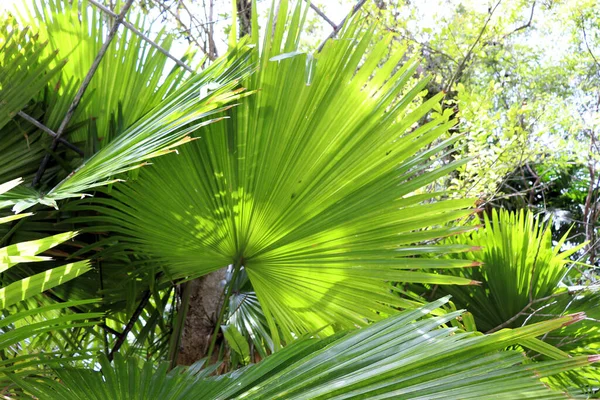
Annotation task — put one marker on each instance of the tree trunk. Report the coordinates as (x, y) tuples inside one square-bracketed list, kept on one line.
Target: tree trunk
[(205, 301), (244, 8)]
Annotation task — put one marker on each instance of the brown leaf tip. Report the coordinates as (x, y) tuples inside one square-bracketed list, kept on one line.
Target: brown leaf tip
[(594, 358), (574, 318), (476, 283)]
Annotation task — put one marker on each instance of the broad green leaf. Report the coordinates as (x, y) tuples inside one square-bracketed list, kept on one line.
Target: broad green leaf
[(236, 342)]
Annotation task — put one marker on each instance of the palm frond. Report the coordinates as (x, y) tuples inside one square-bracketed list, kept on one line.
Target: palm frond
[(157, 133), (24, 68), (19, 327), (405, 356), (520, 265), (314, 184), (131, 66), (522, 275)]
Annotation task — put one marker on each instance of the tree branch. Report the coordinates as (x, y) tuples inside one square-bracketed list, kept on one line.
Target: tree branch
[(134, 317), (523, 311), (322, 14), (461, 66), (355, 9), (50, 132), (140, 34), (525, 26), (587, 44)]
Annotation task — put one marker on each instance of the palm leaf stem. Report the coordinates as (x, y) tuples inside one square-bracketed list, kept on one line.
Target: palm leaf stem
[(228, 290), (134, 317), (339, 27), (178, 327)]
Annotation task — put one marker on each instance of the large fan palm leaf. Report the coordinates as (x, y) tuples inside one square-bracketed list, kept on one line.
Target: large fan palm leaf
[(315, 184)]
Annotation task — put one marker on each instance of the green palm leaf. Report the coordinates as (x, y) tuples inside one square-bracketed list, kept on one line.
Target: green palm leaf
[(158, 132), (131, 66), (405, 356), (522, 276), (24, 68), (19, 327), (520, 265), (315, 184)]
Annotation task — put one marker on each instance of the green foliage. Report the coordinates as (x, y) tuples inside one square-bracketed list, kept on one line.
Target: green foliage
[(404, 356), (323, 184), (76, 30), (313, 184), (24, 68), (19, 328), (523, 278), (520, 267)]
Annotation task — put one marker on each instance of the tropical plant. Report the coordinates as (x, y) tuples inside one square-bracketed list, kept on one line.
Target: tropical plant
[(405, 356), (312, 185), (318, 185), (525, 280), (20, 327), (521, 269)]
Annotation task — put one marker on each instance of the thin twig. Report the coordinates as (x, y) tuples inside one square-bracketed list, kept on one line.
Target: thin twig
[(321, 14), (50, 132), (524, 26), (587, 44), (355, 9), (540, 315), (134, 317), (467, 57), (81, 91), (140, 34), (523, 311)]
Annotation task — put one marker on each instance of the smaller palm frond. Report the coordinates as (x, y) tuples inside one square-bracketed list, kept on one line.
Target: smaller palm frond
[(26, 66), (405, 356), (132, 75), (522, 275), (520, 265), (19, 327), (29, 252), (157, 133)]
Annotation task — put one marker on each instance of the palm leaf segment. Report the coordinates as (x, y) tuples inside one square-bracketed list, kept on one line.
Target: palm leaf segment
[(314, 184), (24, 68), (405, 356), (132, 74), (156, 133), (20, 326)]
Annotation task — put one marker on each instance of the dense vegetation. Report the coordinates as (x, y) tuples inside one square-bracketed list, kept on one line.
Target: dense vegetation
[(385, 214)]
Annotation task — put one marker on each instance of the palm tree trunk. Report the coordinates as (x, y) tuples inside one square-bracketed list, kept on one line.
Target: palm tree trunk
[(205, 301)]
